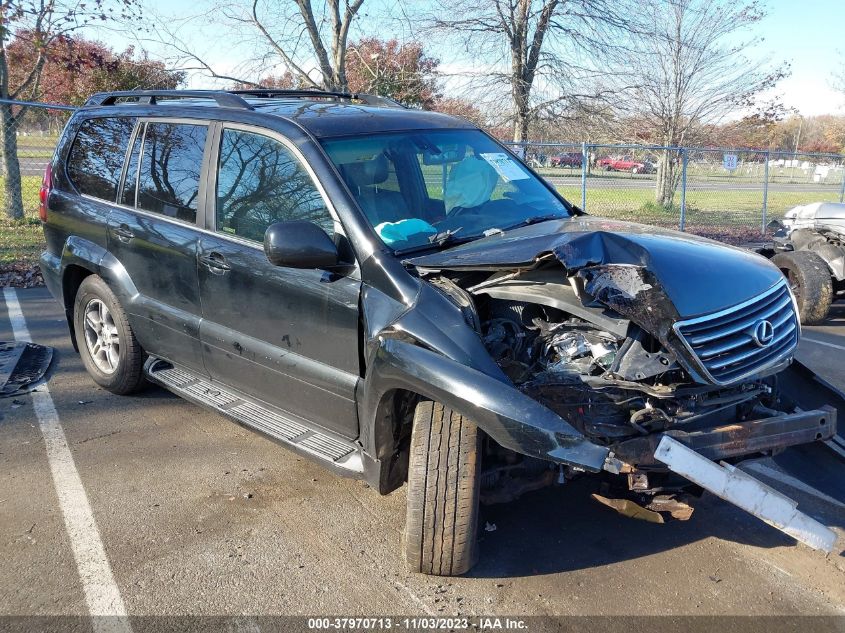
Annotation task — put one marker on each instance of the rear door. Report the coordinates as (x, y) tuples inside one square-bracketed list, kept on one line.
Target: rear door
[(153, 232), (286, 336)]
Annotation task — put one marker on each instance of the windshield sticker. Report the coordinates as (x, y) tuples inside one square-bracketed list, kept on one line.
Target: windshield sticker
[(505, 166)]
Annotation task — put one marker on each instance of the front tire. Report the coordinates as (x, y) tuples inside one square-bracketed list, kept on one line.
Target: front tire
[(809, 278), (108, 347), (443, 483)]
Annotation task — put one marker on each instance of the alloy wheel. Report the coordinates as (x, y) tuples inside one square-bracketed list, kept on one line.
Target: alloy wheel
[(101, 336)]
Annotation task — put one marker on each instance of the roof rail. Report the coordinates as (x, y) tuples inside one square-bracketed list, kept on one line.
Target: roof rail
[(272, 93), (235, 98), (223, 98)]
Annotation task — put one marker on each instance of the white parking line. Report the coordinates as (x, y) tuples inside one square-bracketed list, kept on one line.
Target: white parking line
[(101, 592), (792, 482), (825, 343)]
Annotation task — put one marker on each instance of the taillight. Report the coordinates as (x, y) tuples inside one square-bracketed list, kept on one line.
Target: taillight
[(44, 192)]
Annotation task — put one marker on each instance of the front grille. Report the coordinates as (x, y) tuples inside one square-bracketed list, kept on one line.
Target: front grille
[(724, 343)]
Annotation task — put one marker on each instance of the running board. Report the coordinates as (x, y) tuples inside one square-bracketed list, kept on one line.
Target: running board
[(340, 453), (744, 491)]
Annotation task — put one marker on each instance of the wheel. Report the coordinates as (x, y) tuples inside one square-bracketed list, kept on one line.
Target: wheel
[(443, 482), (809, 278), (110, 352), (635, 170)]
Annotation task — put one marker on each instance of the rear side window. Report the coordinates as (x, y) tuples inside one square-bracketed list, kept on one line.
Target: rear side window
[(260, 182), (169, 174), (96, 157)]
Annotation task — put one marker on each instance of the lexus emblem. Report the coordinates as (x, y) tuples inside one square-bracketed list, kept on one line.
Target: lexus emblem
[(763, 333)]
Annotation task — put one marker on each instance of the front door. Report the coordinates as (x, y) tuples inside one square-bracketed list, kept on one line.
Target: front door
[(286, 336), (154, 234)]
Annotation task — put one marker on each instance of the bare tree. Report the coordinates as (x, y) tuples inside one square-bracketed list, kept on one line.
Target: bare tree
[(37, 25), (526, 42), (839, 75), (292, 34), (690, 67)]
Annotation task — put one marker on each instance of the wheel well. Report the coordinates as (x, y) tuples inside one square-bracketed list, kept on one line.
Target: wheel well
[(392, 434), (71, 281)]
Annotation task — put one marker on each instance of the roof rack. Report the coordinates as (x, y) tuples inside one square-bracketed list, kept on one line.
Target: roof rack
[(272, 93), (224, 99), (234, 98)]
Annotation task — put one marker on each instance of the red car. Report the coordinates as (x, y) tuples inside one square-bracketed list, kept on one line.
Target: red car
[(565, 160), (625, 164)]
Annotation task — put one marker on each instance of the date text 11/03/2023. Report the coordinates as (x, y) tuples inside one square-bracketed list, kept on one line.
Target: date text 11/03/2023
[(417, 623)]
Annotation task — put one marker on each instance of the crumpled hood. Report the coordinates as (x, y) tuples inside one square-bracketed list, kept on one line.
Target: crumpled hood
[(698, 275)]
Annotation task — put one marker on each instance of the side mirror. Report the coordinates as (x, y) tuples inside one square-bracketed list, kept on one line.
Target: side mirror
[(299, 244)]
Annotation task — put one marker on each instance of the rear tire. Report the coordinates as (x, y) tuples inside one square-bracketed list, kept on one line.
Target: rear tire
[(108, 347), (443, 482), (809, 278)]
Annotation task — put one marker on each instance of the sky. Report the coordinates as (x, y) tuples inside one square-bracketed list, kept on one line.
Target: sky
[(809, 34), (805, 33)]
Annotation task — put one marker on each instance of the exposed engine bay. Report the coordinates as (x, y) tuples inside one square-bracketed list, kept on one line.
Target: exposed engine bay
[(607, 386), (603, 373)]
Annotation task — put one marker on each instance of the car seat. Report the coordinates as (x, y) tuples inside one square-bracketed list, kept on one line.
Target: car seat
[(365, 178)]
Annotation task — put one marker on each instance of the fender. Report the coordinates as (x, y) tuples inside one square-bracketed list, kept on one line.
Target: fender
[(86, 254), (78, 252), (510, 417)]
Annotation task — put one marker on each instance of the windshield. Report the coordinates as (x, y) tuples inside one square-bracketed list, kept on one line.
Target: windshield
[(419, 188)]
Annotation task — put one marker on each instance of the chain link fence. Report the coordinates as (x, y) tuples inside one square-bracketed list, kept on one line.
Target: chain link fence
[(29, 134), (722, 193)]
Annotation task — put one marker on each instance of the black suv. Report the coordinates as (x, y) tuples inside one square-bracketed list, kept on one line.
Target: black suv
[(396, 295)]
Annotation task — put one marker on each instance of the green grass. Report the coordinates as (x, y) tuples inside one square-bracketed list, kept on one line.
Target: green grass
[(21, 241), (703, 207)]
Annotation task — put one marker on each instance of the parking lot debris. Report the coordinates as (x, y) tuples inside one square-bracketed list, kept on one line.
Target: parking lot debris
[(630, 508), (21, 365), (753, 496), (676, 508)]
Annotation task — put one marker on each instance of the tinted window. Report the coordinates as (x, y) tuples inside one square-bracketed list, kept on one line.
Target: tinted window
[(260, 182), (168, 181), (96, 158)]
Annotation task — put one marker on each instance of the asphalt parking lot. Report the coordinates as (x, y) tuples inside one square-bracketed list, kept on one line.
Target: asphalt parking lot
[(198, 516)]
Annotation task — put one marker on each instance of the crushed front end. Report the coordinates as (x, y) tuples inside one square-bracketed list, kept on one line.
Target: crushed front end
[(602, 341)]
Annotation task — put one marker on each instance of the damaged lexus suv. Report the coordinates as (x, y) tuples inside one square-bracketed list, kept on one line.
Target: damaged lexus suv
[(396, 295)]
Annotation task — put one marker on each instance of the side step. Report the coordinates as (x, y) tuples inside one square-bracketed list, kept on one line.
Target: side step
[(340, 453)]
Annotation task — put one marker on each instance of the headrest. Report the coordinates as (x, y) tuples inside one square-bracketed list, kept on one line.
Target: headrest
[(366, 172)]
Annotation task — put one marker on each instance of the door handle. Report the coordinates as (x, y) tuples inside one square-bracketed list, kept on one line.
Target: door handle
[(215, 262), (123, 233)]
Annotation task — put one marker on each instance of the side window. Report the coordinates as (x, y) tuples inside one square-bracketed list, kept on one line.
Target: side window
[(260, 182), (96, 157), (169, 175)]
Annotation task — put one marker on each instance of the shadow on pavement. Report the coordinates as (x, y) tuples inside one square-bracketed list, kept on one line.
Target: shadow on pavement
[(562, 529)]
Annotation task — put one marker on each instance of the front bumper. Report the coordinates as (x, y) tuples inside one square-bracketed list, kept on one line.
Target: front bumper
[(739, 439)]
